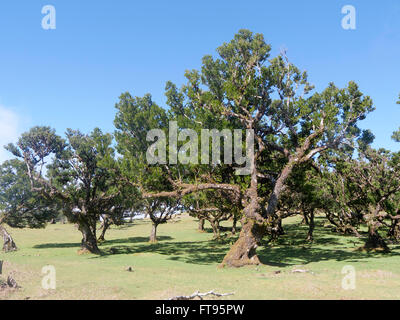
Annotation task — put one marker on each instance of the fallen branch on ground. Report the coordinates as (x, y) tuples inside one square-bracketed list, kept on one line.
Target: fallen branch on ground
[(301, 271), (199, 295)]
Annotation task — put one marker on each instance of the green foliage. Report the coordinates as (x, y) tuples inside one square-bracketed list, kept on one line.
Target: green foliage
[(82, 176), (86, 175), (37, 144), (135, 117), (20, 206), (244, 88), (304, 149)]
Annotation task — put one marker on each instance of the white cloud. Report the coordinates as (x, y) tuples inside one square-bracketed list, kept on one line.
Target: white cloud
[(10, 125)]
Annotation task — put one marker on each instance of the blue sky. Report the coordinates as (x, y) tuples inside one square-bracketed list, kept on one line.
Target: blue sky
[(72, 76)]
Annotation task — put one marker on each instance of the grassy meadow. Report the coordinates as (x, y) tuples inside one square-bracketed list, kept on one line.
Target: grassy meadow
[(185, 260)]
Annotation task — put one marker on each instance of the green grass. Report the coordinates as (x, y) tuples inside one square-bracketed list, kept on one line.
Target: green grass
[(184, 261)]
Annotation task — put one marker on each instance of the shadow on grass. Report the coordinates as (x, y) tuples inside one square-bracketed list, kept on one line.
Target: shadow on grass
[(290, 249), (124, 226), (222, 229), (287, 256), (199, 252), (57, 245), (208, 252), (104, 243), (135, 240), (293, 249)]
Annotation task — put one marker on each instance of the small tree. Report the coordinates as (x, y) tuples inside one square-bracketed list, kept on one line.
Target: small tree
[(213, 207), (20, 207), (80, 175), (160, 211)]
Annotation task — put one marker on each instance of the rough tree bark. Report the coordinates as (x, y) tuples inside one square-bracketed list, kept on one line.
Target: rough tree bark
[(89, 241), (243, 252), (9, 244), (153, 234)]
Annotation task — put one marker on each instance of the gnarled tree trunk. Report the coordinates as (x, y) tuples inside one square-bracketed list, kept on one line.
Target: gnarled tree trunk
[(89, 241), (243, 252), (9, 244)]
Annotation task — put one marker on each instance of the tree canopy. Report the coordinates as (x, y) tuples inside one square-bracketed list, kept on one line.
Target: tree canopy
[(286, 150)]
